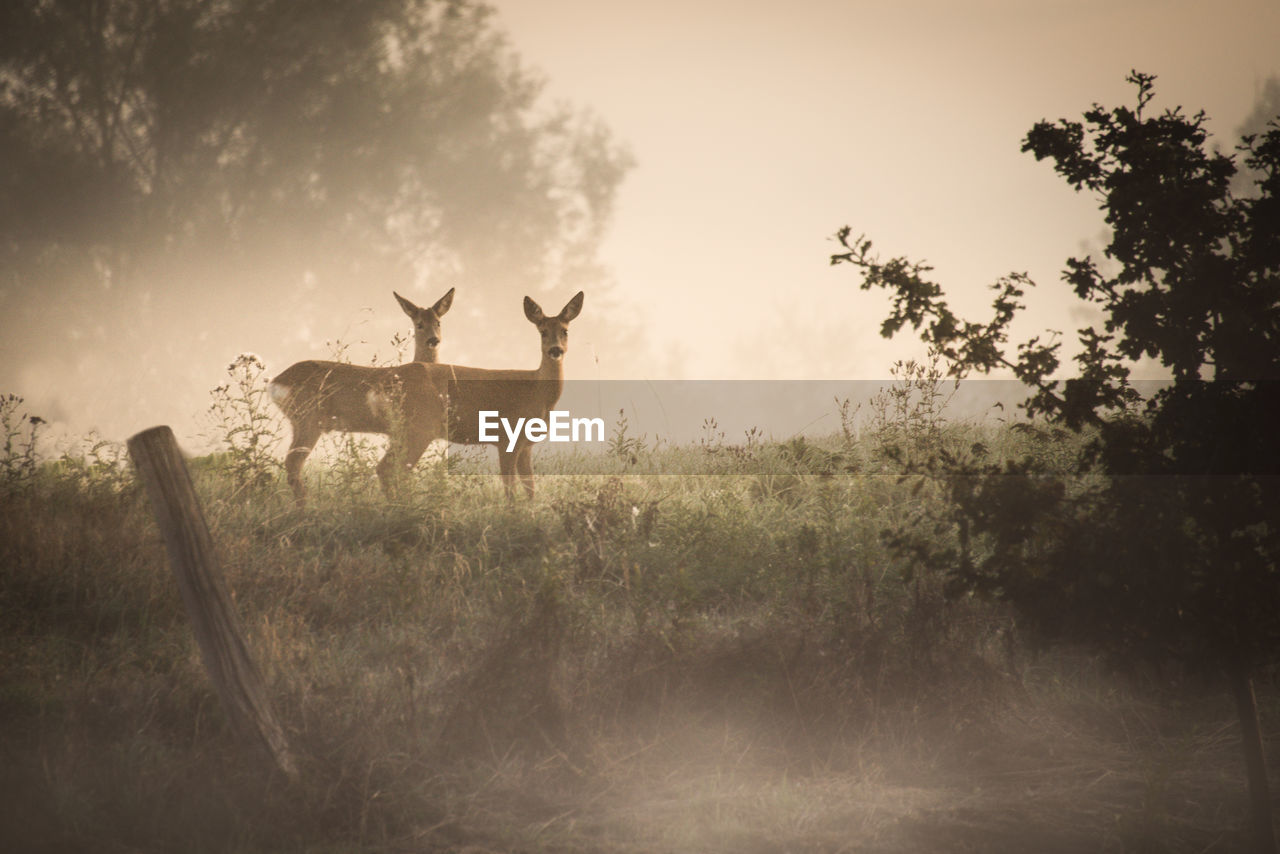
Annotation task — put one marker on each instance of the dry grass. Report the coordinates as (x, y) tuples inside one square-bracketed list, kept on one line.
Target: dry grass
[(641, 664)]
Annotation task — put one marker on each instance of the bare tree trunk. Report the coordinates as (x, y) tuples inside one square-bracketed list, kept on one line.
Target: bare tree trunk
[(191, 553), (1255, 761)]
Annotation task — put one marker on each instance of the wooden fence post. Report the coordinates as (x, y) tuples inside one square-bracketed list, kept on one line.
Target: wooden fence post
[(191, 553)]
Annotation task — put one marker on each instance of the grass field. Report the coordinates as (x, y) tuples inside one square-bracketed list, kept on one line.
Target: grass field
[(722, 654)]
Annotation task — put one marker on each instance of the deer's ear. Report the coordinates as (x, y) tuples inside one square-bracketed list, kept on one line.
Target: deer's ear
[(533, 311), (409, 308), (442, 305), (571, 308)]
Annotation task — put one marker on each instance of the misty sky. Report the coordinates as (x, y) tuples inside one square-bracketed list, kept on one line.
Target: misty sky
[(758, 129), (761, 128)]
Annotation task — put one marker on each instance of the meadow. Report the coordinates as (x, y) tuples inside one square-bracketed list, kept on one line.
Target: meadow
[(706, 647)]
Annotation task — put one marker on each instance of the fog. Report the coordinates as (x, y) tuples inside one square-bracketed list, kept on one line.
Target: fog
[(724, 145)]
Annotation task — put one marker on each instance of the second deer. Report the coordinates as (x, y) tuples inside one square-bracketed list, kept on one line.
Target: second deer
[(318, 396), (512, 393)]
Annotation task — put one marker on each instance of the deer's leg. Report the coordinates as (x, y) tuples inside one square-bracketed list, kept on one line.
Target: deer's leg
[(305, 435), (386, 468), (524, 467), (403, 454), (507, 466), (423, 420)]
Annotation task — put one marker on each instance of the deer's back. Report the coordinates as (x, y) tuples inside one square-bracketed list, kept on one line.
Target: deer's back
[(512, 393), (356, 398)]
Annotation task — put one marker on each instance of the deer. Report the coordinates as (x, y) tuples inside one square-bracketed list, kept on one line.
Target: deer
[(319, 396), (467, 391)]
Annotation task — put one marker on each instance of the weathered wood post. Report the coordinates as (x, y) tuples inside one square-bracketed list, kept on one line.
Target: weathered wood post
[(191, 553)]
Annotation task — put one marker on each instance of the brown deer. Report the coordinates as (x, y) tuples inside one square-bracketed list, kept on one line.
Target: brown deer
[(319, 396), (512, 393), (426, 325)]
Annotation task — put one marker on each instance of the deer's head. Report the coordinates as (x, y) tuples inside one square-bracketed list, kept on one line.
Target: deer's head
[(554, 330), (426, 325)]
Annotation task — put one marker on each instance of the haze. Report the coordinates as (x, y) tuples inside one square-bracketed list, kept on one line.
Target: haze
[(757, 130)]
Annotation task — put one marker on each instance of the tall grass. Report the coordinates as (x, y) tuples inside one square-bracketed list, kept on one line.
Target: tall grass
[(456, 669)]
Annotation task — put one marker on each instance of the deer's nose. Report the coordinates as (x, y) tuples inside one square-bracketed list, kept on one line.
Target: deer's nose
[(555, 352), (433, 341)]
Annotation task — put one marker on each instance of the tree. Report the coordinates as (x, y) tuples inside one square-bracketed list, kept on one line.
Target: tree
[(1166, 546), (1266, 106), (206, 156), (403, 126)]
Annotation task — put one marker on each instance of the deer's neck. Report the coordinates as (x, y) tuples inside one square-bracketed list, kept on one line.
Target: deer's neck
[(550, 375)]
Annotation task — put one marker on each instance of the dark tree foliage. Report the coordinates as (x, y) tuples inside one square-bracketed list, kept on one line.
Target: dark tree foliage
[(1266, 106), (1163, 544), (286, 138)]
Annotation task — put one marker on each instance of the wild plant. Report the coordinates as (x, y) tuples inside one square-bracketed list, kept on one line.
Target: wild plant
[(96, 466), (729, 458), (908, 417), (351, 456), (19, 460), (244, 425), (712, 440), (629, 449), (400, 344), (602, 528), (848, 412)]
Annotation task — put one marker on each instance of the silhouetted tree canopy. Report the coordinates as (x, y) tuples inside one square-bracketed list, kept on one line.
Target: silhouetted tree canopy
[(1163, 542), (281, 140), (1193, 280), (1266, 106)]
